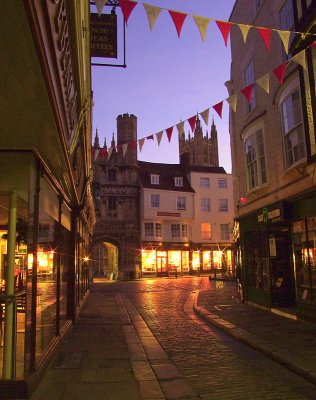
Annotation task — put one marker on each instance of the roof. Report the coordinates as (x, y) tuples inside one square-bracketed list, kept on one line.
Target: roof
[(167, 173), (210, 170)]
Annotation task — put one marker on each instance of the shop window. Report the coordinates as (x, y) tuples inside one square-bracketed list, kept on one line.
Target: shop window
[(206, 231), (154, 200), (304, 238), (174, 261), (178, 181), (222, 183), (148, 261), (204, 183), (149, 229), (223, 205), (249, 78), (224, 231), (206, 257), (255, 159), (294, 145), (181, 203), (195, 260), (205, 205)]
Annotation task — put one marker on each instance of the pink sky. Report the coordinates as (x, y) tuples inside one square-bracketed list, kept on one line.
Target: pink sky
[(167, 79)]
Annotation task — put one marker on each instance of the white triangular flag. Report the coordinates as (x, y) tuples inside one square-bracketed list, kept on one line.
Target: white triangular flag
[(159, 137), (232, 101), (285, 37), (264, 82), (205, 115), (100, 4), (110, 152), (244, 30), (300, 59), (152, 14), (141, 143), (202, 24), (180, 127), (124, 148)]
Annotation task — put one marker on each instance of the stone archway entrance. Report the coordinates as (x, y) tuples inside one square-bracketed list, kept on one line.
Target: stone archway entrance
[(105, 260)]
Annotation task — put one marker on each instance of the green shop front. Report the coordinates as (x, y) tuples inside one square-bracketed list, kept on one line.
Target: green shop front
[(277, 256)]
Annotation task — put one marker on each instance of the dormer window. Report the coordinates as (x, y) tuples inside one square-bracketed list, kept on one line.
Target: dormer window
[(178, 181), (154, 179)]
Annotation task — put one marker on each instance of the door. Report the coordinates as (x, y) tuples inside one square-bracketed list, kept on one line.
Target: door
[(161, 266), (282, 274)]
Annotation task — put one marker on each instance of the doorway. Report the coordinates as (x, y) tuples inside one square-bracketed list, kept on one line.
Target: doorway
[(161, 263)]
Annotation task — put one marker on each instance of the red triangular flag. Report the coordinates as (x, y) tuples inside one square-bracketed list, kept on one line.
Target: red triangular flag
[(133, 144), (103, 152), (150, 137), (192, 122), (219, 108), (247, 92), (118, 148), (313, 44), (178, 19), (224, 27), (280, 72), (127, 7), (169, 133), (265, 34)]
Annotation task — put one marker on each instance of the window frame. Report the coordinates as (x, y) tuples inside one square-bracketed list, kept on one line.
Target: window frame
[(249, 78), (205, 206), (205, 179), (223, 205), (154, 204), (220, 181), (206, 234), (224, 234), (178, 181), (146, 227), (154, 179), (181, 206)]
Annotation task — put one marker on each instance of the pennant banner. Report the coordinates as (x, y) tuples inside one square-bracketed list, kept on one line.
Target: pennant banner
[(180, 127), (244, 30), (100, 4), (300, 59), (205, 115), (280, 72), (127, 7), (169, 133), (232, 101), (152, 14), (264, 82), (124, 147), (202, 23), (265, 33), (178, 19), (159, 137), (192, 122), (103, 152), (219, 108), (247, 92), (150, 137), (110, 152), (96, 154), (224, 27), (141, 143), (285, 37)]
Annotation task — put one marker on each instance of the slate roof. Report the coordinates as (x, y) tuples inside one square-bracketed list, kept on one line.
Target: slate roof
[(210, 170), (167, 173)]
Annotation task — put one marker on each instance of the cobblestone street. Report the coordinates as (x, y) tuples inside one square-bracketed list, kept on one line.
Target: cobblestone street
[(215, 365)]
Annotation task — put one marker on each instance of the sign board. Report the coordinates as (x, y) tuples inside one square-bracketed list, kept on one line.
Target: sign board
[(103, 35)]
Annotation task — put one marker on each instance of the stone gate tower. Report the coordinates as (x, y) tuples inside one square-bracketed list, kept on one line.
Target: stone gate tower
[(116, 194)]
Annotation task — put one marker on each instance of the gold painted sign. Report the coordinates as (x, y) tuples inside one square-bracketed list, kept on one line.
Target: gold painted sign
[(103, 35)]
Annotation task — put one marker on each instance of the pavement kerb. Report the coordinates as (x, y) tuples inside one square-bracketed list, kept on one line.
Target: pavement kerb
[(251, 340)]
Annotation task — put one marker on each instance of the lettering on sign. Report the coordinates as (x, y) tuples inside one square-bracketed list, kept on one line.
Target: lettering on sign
[(167, 214), (273, 214), (103, 35)]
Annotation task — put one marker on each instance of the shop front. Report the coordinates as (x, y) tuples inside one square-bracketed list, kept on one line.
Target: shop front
[(43, 275)]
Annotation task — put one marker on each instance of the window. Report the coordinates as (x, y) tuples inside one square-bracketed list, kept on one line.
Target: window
[(178, 230), (112, 203), (154, 179), (112, 175), (205, 205), (222, 183), (224, 231), (149, 229), (286, 17), (178, 181), (175, 230), (158, 230), (206, 231), (294, 146), (250, 78), (181, 203), (204, 182), (154, 200), (223, 205), (255, 159)]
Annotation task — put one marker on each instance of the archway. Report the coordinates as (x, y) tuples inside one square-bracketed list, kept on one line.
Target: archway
[(105, 260)]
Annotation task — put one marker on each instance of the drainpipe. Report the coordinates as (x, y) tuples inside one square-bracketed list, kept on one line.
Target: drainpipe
[(10, 315)]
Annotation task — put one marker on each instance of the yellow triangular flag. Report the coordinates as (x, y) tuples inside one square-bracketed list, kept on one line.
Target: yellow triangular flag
[(264, 82), (244, 30), (100, 4), (159, 137), (300, 59), (285, 37), (180, 127), (202, 24), (232, 101), (141, 143), (205, 115), (152, 14), (110, 152), (124, 148), (96, 154)]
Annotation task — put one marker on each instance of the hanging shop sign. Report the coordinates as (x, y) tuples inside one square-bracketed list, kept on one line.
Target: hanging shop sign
[(103, 35)]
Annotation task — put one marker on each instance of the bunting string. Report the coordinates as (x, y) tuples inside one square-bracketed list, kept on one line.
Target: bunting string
[(247, 92)]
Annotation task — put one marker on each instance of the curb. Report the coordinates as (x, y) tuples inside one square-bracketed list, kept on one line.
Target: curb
[(244, 336)]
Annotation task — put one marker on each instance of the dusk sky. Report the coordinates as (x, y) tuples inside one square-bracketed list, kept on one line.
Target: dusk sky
[(167, 79)]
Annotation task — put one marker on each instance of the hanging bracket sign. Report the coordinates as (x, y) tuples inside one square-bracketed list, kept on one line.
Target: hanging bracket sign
[(103, 35)]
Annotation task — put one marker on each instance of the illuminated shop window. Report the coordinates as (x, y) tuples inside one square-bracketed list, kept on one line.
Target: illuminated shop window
[(148, 260), (195, 260), (206, 260)]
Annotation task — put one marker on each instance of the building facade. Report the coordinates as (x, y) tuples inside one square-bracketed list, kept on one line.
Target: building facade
[(46, 206), (273, 156)]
